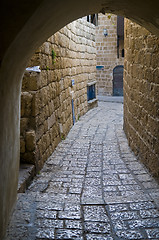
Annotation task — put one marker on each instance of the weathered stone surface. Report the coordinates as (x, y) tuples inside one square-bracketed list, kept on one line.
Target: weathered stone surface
[(46, 105), (30, 141), (26, 104), (22, 145), (141, 101)]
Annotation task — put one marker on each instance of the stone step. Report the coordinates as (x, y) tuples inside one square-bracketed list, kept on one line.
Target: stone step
[(26, 174)]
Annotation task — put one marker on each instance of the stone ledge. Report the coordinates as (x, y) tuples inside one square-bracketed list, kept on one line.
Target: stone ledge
[(92, 103), (91, 83), (110, 99), (26, 174)]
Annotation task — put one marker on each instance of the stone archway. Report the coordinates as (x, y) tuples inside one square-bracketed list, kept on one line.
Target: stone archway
[(25, 25)]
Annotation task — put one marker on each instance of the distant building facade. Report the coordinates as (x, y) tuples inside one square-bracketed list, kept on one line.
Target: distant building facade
[(110, 54)]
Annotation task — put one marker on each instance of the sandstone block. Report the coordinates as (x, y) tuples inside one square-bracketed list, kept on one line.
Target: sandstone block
[(26, 104), (23, 125), (22, 145), (30, 140)]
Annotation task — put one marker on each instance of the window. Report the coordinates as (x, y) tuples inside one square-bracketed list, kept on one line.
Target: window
[(122, 52), (91, 93), (93, 18), (120, 35)]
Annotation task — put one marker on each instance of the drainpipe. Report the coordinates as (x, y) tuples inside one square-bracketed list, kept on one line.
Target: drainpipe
[(72, 100), (118, 46)]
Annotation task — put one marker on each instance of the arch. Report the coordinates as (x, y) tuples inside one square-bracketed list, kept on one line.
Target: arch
[(25, 25), (118, 80)]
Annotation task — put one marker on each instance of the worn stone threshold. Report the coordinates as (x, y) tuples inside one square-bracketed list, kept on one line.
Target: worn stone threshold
[(26, 174), (118, 99)]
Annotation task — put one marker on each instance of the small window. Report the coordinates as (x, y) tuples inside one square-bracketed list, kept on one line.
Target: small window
[(122, 53), (91, 93), (120, 34), (93, 18)]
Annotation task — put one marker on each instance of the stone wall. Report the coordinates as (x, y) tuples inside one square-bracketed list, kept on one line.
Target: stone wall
[(46, 99), (141, 94), (107, 53)]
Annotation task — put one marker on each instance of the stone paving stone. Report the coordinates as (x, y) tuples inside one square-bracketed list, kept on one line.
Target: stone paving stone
[(155, 196), (74, 190), (111, 194), (128, 181), (125, 215), (129, 187), (72, 198), (126, 176), (97, 190), (96, 227), (73, 224), (21, 217), (69, 215), (134, 166), (118, 207), (77, 180), (132, 193), (50, 198), (153, 233), (144, 223), (110, 188), (92, 182), (18, 233), (95, 213), (119, 225), (150, 185), (140, 171), (126, 199), (98, 237), (149, 213), (122, 170), (110, 176), (25, 201), (154, 193), (144, 177), (46, 233), (71, 211), (92, 200), (130, 234), (91, 188), (112, 182), (46, 214), (49, 223), (68, 234), (142, 205)]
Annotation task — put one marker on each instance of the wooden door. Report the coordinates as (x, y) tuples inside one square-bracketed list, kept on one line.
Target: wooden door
[(118, 80)]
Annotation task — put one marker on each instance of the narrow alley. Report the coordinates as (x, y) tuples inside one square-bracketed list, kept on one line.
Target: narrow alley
[(91, 188)]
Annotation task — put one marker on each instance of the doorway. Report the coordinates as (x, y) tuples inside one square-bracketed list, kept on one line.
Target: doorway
[(118, 80)]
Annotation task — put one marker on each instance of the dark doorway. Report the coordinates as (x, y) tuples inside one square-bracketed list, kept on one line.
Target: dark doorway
[(118, 80)]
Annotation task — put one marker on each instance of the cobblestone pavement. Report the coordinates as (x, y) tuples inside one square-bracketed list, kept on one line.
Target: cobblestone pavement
[(91, 188)]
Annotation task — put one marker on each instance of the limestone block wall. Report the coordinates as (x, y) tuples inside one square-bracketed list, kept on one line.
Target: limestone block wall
[(46, 100), (141, 94), (107, 53)]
